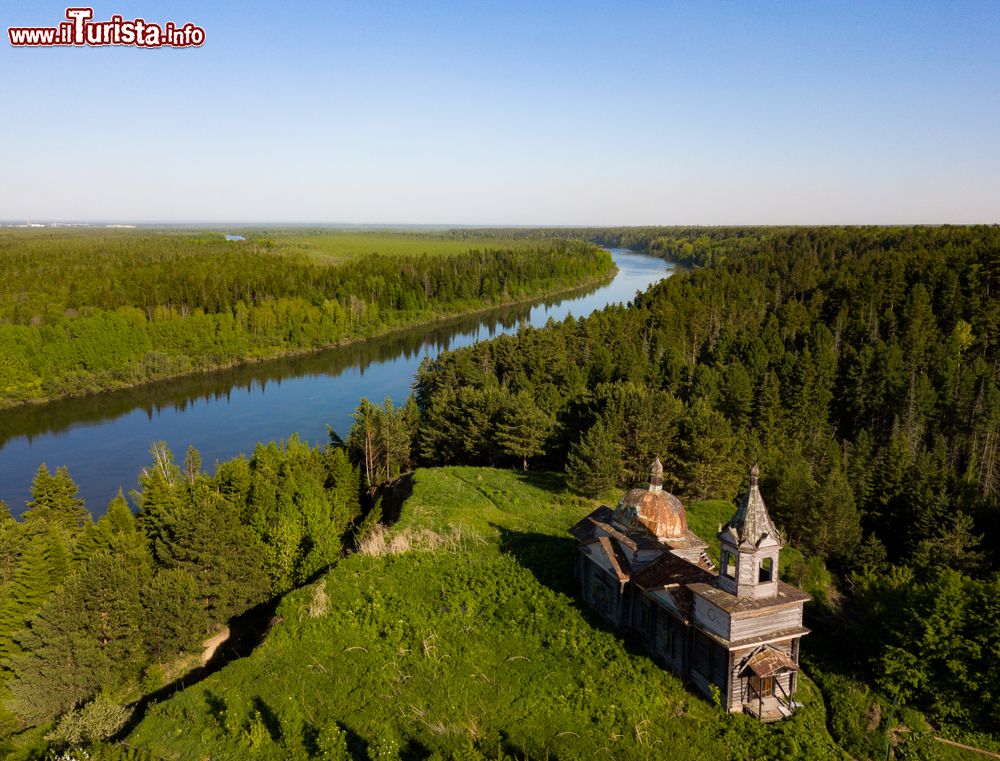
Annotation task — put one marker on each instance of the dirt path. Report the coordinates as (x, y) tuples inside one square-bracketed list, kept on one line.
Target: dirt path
[(212, 645)]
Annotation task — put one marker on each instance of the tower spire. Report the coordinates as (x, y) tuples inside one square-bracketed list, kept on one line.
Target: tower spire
[(750, 546), (656, 476)]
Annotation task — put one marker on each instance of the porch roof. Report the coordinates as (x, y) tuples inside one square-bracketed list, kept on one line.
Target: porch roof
[(768, 661)]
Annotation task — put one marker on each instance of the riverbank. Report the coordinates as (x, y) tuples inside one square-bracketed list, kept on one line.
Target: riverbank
[(108, 351), (104, 439), (418, 321)]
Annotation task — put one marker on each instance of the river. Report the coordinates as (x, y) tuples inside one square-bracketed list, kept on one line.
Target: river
[(104, 439)]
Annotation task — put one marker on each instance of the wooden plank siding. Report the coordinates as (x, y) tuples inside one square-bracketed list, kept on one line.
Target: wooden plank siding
[(745, 626)]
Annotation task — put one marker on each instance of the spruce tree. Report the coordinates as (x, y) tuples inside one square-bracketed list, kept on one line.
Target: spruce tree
[(86, 636), (709, 453), (594, 463), (42, 565), (523, 428), (174, 617), (54, 500)]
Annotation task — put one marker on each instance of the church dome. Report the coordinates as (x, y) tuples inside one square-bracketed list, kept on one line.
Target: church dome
[(652, 509)]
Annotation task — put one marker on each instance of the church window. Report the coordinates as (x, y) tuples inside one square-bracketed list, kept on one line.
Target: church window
[(729, 565)]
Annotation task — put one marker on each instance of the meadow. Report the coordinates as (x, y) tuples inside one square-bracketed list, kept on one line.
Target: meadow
[(457, 634)]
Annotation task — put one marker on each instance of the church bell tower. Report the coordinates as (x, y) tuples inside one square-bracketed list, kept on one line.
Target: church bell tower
[(750, 547)]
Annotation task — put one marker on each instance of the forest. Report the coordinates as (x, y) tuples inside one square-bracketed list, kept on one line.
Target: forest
[(84, 311), (858, 366), (95, 610)]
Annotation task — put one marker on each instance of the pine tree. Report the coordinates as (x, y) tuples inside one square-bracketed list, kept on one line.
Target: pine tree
[(594, 463), (117, 533), (523, 428), (54, 500), (834, 527), (10, 547), (709, 453), (160, 491), (43, 564), (85, 637), (202, 534), (343, 485), (174, 617), (365, 441)]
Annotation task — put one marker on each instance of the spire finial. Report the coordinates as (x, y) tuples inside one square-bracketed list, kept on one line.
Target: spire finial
[(656, 475), (754, 474)]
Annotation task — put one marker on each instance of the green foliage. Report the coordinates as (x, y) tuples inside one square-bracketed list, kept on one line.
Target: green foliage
[(331, 743), (709, 453), (83, 311), (595, 463), (523, 428), (54, 501), (87, 635), (936, 641), (381, 440), (368, 523), (41, 550), (298, 501), (95, 721), (176, 618), (90, 607), (477, 651)]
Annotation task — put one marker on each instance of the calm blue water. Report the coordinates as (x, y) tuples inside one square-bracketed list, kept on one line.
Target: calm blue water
[(105, 439)]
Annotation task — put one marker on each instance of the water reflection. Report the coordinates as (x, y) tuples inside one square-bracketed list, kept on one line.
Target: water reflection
[(104, 439)]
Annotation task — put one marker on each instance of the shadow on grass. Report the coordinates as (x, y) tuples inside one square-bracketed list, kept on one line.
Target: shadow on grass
[(548, 557), (246, 631), (545, 480)]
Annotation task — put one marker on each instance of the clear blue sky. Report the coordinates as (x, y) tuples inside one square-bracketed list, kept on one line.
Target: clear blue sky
[(512, 113)]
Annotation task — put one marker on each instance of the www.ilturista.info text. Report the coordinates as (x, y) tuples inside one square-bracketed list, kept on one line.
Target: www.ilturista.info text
[(79, 29)]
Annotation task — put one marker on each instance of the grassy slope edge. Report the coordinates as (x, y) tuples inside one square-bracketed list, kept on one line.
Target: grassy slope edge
[(466, 640)]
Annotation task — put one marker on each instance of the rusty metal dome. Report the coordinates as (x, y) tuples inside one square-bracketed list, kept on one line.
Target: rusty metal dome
[(653, 509)]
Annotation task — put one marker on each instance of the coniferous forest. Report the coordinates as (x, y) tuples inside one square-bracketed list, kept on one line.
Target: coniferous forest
[(858, 366), (83, 311)]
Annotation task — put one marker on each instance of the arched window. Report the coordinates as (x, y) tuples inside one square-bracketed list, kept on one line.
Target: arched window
[(729, 565), (766, 570)]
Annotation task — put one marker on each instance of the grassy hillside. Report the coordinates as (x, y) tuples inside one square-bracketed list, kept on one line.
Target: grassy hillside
[(459, 635)]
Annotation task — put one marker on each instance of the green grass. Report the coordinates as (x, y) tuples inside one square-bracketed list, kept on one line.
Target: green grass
[(333, 247), (323, 245), (478, 647)]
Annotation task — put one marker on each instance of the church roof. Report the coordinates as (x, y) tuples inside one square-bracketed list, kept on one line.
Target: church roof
[(652, 509), (670, 575), (670, 569), (751, 522), (601, 520), (786, 594)]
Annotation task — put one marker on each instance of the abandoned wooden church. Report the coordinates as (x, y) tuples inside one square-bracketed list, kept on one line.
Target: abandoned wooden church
[(737, 629)]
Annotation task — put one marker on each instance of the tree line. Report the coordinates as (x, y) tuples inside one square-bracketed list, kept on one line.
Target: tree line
[(83, 313)]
